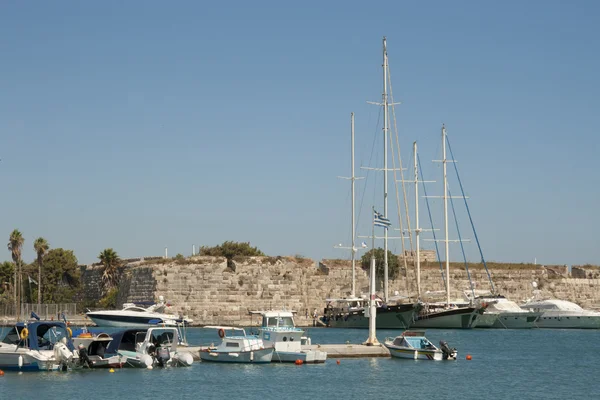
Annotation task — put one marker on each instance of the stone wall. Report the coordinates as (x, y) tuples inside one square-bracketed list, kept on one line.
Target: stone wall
[(210, 292)]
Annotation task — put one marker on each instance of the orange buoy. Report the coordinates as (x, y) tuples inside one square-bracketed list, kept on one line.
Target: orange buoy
[(338, 362), (469, 357), (1, 373), (299, 362)]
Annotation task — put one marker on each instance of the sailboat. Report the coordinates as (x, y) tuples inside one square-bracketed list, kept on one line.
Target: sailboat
[(353, 312), (444, 314)]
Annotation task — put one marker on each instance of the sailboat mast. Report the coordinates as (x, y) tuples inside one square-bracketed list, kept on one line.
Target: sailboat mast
[(444, 162), (417, 230), (385, 172), (353, 222)]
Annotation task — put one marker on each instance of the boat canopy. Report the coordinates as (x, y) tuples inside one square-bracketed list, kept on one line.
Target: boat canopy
[(41, 335)]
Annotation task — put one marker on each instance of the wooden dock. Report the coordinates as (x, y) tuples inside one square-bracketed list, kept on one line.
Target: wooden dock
[(333, 351)]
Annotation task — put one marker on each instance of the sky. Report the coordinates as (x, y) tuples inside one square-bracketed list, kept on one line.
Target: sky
[(142, 125)]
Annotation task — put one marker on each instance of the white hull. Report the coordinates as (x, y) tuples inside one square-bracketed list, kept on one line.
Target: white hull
[(460, 318), (567, 320), (247, 357), (510, 320), (413, 354), (42, 360), (487, 320)]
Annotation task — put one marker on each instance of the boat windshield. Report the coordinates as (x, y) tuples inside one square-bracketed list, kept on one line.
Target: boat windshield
[(48, 335), (281, 322), (12, 337)]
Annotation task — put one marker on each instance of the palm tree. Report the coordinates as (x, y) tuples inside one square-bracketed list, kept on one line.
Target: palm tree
[(15, 245), (110, 259), (41, 247)]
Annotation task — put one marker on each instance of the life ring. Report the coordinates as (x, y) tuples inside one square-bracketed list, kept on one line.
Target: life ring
[(221, 333), (24, 333), (70, 332)]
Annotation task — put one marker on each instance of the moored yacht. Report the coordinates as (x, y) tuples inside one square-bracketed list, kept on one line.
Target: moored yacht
[(353, 313), (563, 314)]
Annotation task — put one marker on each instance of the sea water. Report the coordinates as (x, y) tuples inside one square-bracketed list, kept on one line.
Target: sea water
[(506, 364)]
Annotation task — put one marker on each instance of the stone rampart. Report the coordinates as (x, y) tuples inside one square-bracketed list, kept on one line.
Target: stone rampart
[(210, 292)]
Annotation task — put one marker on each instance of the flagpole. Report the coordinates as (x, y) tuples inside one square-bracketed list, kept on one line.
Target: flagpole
[(372, 340)]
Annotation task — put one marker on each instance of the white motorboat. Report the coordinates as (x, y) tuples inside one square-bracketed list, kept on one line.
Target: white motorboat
[(135, 316), (505, 314), (563, 314), (237, 348), (278, 330), (415, 346), (37, 346), (145, 348)]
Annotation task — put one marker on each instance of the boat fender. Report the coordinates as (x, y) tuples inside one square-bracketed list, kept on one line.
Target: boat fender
[(24, 333), (70, 332), (221, 333)]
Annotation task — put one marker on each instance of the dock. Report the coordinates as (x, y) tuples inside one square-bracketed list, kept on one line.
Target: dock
[(334, 351)]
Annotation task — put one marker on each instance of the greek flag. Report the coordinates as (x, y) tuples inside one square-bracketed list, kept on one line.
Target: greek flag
[(380, 220)]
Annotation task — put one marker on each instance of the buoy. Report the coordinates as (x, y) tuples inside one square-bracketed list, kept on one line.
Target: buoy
[(111, 370), (338, 362), (299, 362), (469, 357), (1, 373)]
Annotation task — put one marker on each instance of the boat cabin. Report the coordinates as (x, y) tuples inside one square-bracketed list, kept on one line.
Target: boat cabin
[(414, 340)]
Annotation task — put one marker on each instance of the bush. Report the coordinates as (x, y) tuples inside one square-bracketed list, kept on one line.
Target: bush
[(110, 299)]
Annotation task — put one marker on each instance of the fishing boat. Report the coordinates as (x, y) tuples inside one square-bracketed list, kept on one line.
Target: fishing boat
[(279, 331), (415, 346), (148, 348), (135, 316), (37, 346), (237, 348)]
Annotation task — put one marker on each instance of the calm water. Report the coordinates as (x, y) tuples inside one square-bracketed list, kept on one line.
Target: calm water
[(506, 364)]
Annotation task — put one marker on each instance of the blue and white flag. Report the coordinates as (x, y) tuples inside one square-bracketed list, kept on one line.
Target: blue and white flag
[(380, 220)]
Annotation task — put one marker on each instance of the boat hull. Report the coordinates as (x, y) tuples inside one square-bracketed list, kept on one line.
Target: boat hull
[(457, 318), (414, 354), (31, 361), (392, 317), (112, 321), (515, 320), (567, 321), (487, 320), (263, 356)]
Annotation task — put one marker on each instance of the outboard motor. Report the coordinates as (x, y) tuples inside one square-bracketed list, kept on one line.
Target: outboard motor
[(84, 359), (447, 352), (162, 356)]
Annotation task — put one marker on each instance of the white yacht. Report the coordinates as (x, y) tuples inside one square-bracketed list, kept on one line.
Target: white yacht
[(501, 313), (134, 316), (563, 314)]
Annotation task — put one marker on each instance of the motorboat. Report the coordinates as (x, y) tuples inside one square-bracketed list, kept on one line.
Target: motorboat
[(135, 316), (279, 331), (148, 348), (37, 346), (353, 313), (238, 347), (415, 346), (91, 349), (505, 314), (562, 314)]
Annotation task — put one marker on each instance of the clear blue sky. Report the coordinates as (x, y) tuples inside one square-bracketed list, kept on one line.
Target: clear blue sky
[(139, 125)]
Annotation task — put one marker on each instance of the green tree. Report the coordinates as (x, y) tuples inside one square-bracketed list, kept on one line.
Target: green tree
[(61, 276), (15, 245), (41, 246), (393, 263), (7, 269), (110, 277), (229, 250)]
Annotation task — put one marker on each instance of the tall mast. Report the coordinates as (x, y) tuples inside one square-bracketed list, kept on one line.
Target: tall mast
[(444, 161), (417, 230), (385, 183), (353, 223)]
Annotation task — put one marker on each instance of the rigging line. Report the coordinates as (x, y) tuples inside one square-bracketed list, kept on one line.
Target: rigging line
[(368, 171), (410, 233), (471, 218), (437, 248), (462, 247)]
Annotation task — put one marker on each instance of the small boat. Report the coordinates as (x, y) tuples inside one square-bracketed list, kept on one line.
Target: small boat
[(415, 346), (237, 348), (147, 348), (91, 349), (37, 346), (136, 316), (279, 331)]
